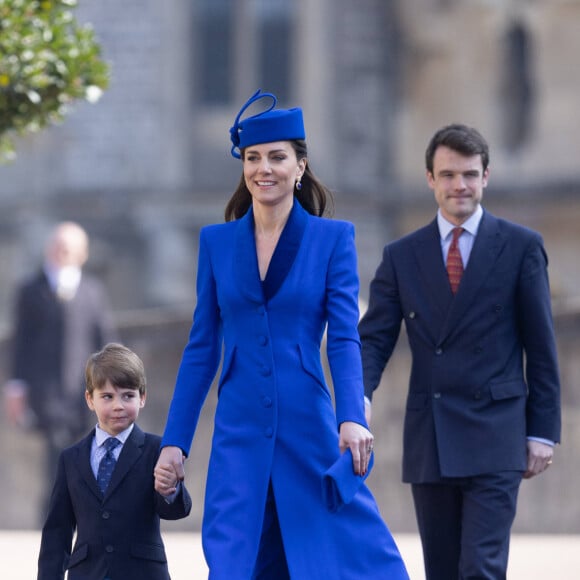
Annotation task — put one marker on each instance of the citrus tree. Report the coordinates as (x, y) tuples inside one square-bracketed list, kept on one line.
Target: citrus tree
[(47, 61)]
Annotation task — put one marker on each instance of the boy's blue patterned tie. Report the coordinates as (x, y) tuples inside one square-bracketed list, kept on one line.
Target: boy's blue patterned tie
[(107, 464)]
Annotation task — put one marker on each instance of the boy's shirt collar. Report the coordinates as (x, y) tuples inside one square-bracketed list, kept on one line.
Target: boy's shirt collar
[(101, 436)]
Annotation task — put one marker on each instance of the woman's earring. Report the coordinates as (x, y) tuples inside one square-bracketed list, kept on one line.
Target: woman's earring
[(298, 184)]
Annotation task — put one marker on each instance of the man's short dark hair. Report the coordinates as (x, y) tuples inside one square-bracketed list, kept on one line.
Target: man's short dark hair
[(461, 138)]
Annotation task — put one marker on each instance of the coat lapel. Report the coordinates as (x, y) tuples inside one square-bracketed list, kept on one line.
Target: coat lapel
[(286, 250), (131, 452), (83, 463), (247, 273), (427, 249), (487, 247)]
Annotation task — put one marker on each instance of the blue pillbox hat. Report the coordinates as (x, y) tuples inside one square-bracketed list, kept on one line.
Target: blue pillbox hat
[(267, 126)]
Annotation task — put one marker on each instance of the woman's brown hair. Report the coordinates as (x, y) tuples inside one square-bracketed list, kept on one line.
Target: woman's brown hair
[(314, 196)]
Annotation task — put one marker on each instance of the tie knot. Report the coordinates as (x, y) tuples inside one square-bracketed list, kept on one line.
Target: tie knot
[(111, 443), (456, 233)]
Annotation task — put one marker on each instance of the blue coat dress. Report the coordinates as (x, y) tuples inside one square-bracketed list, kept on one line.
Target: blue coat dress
[(275, 422)]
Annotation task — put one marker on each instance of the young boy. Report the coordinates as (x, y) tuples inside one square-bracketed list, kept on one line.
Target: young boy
[(116, 522)]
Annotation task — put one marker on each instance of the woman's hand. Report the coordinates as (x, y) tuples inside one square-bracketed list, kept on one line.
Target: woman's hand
[(169, 471), (359, 440)]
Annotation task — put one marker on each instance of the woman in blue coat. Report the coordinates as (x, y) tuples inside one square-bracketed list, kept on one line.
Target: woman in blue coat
[(285, 493)]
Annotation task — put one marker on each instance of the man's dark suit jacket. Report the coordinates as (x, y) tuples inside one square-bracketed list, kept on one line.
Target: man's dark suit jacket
[(117, 536), (484, 367), (52, 342)]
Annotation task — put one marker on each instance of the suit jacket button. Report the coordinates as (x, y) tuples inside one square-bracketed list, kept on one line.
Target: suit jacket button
[(439, 351), (412, 315), (109, 549), (436, 395), (477, 395), (105, 515)]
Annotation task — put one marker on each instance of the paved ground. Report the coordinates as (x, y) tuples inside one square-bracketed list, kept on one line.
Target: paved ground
[(533, 557)]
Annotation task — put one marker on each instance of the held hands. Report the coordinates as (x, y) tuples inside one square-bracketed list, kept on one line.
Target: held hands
[(169, 470), (539, 458), (359, 440)]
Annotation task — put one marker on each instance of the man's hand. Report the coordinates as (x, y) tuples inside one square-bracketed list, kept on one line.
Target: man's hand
[(539, 458), (16, 403)]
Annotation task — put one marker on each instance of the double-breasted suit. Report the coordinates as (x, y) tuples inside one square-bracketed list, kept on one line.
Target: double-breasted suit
[(484, 379), (473, 396), (118, 533), (275, 424)]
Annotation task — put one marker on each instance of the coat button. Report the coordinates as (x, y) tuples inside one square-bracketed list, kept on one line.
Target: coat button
[(266, 371), (263, 340), (268, 432), (267, 402), (109, 549)]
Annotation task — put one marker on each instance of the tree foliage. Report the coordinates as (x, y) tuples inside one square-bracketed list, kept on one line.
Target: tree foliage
[(47, 61)]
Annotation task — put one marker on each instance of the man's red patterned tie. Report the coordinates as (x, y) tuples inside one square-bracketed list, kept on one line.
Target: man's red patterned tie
[(454, 261)]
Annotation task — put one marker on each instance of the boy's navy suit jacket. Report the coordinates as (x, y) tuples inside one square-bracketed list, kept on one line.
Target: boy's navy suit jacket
[(118, 534)]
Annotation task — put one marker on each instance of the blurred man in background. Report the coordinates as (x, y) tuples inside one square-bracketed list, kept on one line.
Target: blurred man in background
[(62, 315)]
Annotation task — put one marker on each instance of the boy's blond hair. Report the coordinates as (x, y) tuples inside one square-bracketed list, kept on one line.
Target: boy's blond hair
[(118, 365)]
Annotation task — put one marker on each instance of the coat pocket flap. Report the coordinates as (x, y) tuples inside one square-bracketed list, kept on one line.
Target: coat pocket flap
[(149, 552), (507, 389)]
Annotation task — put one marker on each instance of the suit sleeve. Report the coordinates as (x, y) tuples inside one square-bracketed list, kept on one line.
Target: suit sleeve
[(380, 326), (200, 359), (343, 343), (58, 530), (177, 509), (537, 334)]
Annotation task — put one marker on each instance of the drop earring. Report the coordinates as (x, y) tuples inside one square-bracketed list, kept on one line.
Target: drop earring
[(298, 185)]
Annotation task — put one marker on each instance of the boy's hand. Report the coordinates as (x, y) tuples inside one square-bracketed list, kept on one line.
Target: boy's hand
[(169, 470)]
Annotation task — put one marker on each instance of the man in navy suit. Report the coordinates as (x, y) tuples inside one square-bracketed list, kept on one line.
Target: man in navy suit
[(61, 315), (483, 407)]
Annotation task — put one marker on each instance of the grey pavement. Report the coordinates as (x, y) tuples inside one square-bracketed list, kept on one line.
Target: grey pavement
[(532, 557)]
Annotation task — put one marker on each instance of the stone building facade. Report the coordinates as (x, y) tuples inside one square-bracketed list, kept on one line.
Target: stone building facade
[(149, 164)]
